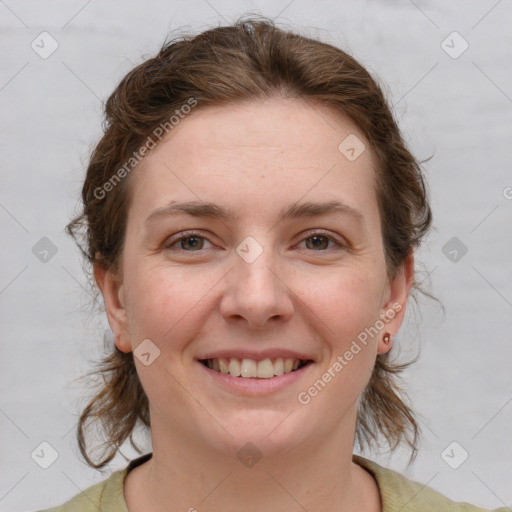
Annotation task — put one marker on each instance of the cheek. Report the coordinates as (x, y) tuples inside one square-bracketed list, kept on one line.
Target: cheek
[(161, 301), (346, 302), (347, 307)]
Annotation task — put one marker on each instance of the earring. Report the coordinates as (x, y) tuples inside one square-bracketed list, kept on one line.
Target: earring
[(387, 338)]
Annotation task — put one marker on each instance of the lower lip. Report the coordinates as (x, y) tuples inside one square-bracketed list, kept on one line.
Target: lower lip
[(255, 386)]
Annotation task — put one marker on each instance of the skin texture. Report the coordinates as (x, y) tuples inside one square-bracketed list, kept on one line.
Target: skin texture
[(255, 158)]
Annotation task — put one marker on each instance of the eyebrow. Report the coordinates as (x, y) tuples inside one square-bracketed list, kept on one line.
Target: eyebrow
[(292, 211)]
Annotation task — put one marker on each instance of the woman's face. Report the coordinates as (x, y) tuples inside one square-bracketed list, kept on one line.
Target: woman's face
[(281, 276)]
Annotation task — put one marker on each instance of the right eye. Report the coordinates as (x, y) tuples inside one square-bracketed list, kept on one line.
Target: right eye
[(188, 242)]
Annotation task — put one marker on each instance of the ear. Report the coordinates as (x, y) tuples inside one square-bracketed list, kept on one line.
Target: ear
[(111, 286), (397, 292)]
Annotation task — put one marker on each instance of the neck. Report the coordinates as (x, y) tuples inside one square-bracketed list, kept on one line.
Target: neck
[(185, 475)]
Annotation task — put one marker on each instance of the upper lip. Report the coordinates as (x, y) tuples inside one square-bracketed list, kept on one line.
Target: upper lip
[(271, 353)]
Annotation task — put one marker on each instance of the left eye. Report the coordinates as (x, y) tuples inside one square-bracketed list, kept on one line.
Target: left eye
[(319, 241)]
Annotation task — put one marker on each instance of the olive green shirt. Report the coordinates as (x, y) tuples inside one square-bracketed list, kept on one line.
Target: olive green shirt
[(398, 493)]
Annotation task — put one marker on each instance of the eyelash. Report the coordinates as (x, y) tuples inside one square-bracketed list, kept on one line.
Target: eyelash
[(192, 234)]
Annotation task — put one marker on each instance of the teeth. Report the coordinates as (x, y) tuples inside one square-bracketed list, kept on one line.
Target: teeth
[(249, 368), (278, 366), (223, 364), (265, 369), (235, 368)]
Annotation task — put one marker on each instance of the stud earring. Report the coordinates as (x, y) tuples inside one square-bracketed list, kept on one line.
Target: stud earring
[(387, 338)]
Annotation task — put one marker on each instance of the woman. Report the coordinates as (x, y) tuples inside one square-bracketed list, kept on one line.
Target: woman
[(251, 215)]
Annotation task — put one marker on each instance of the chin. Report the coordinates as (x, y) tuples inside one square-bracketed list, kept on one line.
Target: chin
[(268, 433)]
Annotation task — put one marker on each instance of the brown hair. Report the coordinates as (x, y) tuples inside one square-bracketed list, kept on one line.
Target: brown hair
[(249, 60)]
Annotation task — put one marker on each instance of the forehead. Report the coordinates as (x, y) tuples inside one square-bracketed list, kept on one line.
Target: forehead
[(294, 126), (281, 149)]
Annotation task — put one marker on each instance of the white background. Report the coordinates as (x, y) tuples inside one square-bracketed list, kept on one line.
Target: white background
[(458, 110)]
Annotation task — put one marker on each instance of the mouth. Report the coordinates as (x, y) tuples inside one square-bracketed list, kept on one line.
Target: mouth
[(255, 369)]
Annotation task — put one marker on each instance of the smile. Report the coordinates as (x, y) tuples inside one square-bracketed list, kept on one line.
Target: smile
[(251, 368)]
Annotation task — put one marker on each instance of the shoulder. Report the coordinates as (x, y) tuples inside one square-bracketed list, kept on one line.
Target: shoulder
[(399, 493), (106, 495)]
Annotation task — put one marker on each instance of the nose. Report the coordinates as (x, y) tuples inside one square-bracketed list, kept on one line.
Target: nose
[(256, 294)]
